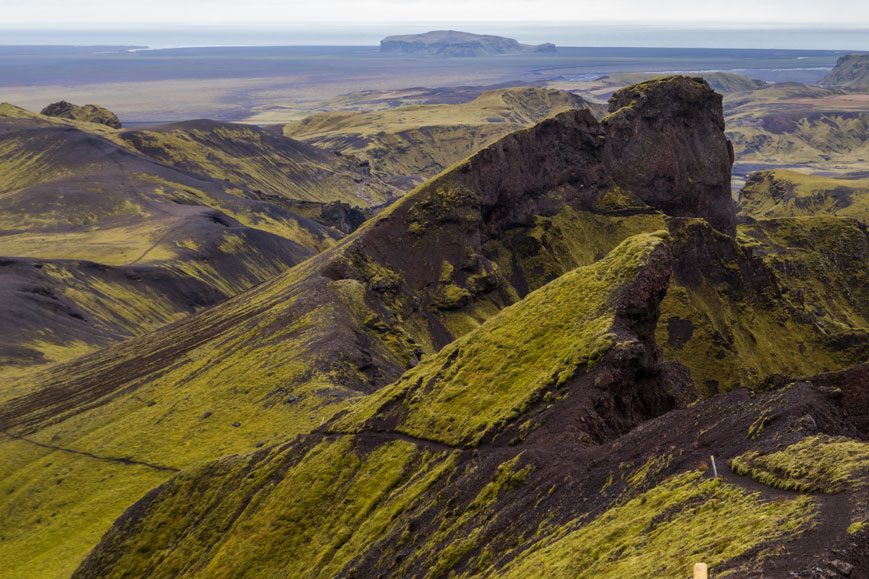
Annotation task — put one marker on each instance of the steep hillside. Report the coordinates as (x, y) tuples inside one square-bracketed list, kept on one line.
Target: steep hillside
[(779, 300), (91, 228), (275, 168), (561, 472), (769, 194), (851, 70), (421, 141), (401, 318)]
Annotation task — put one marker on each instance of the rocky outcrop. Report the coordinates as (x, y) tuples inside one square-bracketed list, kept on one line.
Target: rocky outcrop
[(342, 216), (89, 113), (665, 143), (537, 172), (851, 70), (455, 43)]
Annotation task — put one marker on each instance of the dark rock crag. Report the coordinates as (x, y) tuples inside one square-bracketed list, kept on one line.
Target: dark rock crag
[(666, 144), (89, 113)]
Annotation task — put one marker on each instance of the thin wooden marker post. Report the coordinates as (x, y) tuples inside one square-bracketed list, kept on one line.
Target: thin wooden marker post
[(714, 468), (700, 571)]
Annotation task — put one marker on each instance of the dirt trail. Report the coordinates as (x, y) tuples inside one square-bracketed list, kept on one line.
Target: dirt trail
[(89, 455), (805, 550)]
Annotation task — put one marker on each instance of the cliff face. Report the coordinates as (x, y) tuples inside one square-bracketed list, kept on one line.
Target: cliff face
[(665, 142), (89, 113), (851, 70)]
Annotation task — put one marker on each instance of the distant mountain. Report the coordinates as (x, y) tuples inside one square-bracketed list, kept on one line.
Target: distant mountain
[(455, 43), (851, 70)]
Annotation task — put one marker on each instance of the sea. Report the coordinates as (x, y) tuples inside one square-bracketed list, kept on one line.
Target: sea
[(760, 36)]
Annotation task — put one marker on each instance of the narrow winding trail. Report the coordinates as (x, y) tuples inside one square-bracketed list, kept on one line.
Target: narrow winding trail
[(828, 526), (89, 455)]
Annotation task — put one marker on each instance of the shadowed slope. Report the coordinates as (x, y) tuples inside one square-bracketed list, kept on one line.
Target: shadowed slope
[(71, 195)]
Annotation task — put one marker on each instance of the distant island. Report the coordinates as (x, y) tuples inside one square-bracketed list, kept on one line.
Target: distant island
[(453, 43)]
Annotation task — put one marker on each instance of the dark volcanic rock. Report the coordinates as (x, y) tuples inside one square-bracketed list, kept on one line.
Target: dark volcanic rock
[(516, 176), (665, 143), (89, 113), (342, 216), (454, 43)]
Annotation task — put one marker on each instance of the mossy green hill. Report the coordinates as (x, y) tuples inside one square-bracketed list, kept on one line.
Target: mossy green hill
[(772, 194), (275, 168), (421, 141), (106, 243), (552, 490)]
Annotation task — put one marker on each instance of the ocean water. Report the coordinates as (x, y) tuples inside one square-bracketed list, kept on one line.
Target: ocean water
[(566, 34)]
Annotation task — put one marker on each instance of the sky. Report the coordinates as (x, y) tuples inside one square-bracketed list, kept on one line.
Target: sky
[(97, 13)]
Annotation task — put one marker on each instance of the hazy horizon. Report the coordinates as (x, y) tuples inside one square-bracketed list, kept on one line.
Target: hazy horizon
[(657, 35), (277, 12)]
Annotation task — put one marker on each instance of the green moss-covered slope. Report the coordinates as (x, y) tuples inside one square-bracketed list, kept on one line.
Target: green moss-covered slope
[(491, 376), (273, 167), (771, 194), (737, 313), (423, 140), (379, 502), (664, 531), (91, 229), (814, 464), (379, 485)]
